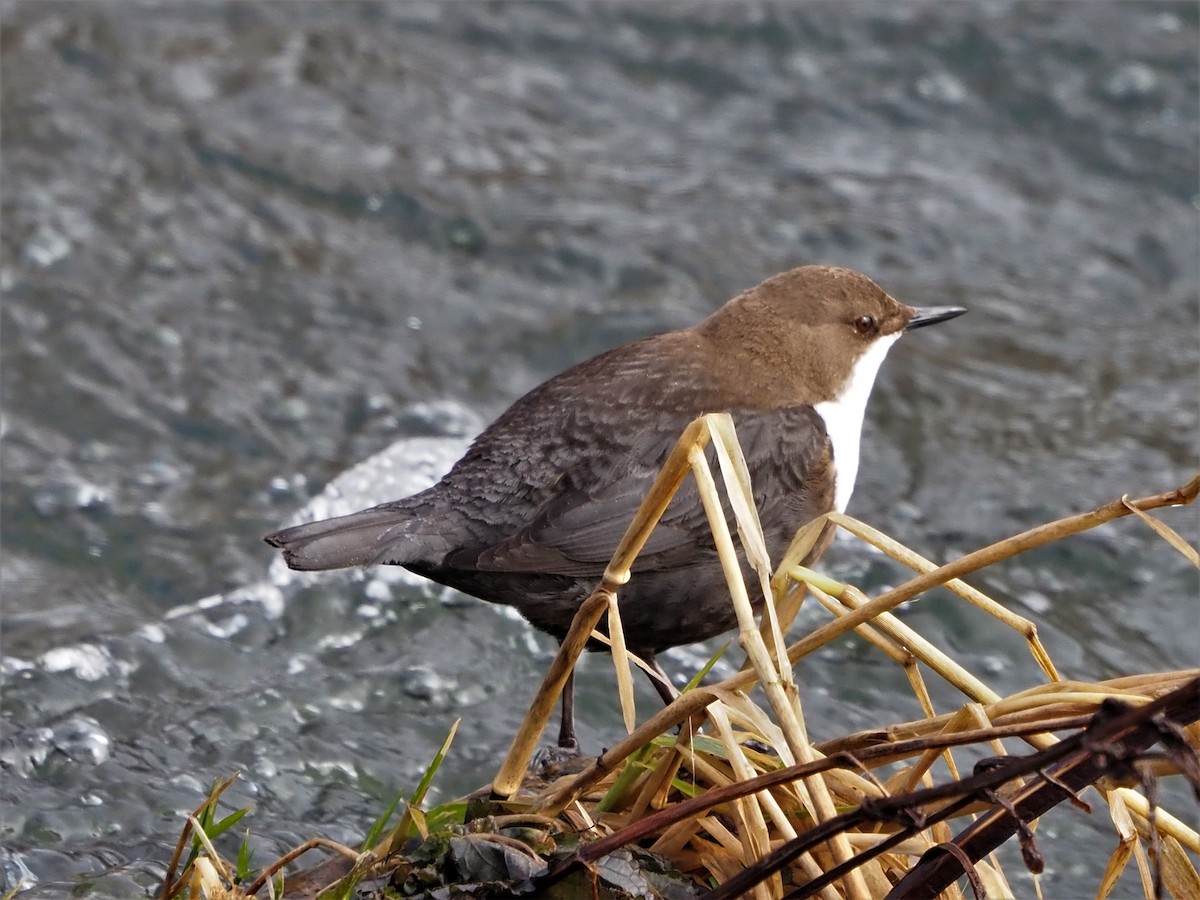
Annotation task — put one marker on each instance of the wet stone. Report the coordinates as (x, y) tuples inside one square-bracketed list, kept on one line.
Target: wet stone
[(24, 751), (423, 683), (82, 739)]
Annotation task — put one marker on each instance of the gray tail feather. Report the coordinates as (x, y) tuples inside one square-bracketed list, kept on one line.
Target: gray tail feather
[(359, 539)]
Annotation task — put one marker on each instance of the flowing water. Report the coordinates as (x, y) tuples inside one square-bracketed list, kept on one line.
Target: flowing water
[(246, 246)]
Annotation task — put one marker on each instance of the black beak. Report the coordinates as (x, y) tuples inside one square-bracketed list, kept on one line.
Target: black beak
[(931, 315)]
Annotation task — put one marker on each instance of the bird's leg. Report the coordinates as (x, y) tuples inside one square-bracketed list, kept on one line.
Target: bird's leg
[(665, 689), (566, 728)]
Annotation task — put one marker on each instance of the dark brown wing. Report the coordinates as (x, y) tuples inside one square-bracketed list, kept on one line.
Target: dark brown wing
[(576, 531)]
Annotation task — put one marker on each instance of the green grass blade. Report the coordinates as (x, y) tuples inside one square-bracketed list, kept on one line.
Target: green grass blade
[(226, 823), (446, 815), (380, 824), (245, 854), (401, 831), (434, 765), (634, 766), (699, 676)]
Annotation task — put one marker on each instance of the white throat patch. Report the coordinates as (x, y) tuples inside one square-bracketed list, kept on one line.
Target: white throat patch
[(844, 418)]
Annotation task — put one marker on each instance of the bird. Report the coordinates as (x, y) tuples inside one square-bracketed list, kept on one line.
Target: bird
[(531, 514)]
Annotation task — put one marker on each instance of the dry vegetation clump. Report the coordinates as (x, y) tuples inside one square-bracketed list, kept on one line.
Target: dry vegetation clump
[(721, 795)]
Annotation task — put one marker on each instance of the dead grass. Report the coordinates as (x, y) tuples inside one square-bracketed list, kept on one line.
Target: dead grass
[(741, 803)]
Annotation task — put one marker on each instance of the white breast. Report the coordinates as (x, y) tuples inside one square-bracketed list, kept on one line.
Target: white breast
[(844, 418)]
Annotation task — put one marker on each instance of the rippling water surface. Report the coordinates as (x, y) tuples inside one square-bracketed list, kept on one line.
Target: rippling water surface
[(246, 246)]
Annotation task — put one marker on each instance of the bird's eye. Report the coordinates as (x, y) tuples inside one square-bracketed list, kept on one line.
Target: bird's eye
[(866, 325)]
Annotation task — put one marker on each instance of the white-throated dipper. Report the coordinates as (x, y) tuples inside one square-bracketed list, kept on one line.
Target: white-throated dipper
[(530, 516)]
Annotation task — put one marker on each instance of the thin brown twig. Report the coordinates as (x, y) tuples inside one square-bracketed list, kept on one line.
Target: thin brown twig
[(1111, 741), (296, 853), (1130, 729), (879, 754)]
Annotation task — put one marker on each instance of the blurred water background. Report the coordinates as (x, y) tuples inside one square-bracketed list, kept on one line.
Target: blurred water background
[(247, 245)]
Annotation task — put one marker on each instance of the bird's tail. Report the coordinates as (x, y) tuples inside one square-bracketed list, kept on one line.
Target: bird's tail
[(359, 539)]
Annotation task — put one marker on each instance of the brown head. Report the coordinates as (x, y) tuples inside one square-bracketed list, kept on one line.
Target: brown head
[(811, 335)]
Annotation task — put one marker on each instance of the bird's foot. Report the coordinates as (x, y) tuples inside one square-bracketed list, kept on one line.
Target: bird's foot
[(559, 760)]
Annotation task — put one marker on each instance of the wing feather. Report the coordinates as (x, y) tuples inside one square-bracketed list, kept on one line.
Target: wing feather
[(577, 529)]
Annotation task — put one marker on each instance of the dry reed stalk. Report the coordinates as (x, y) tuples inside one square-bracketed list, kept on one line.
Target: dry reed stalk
[(897, 640), (670, 477), (769, 675), (905, 646), (722, 805), (972, 562), (976, 598)]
